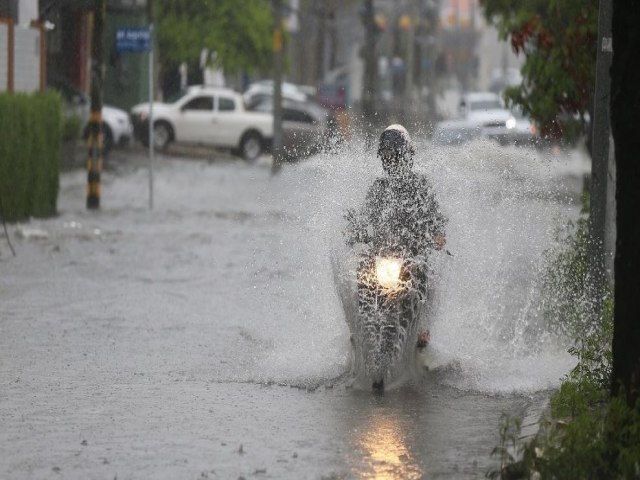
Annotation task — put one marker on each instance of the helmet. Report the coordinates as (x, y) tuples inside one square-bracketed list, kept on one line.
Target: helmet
[(396, 150)]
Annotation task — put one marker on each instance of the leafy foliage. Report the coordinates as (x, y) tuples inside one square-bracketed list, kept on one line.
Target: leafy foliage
[(587, 434), (30, 137), (558, 39), (567, 307), (240, 32), (508, 449)]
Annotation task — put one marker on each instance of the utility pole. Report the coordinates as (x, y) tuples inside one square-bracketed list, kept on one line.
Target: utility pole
[(151, 99), (278, 49), (95, 141), (432, 50), (370, 67), (320, 42), (600, 161), (409, 108)]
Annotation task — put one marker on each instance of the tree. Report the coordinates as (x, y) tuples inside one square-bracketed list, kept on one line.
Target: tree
[(558, 39), (239, 33), (625, 125)]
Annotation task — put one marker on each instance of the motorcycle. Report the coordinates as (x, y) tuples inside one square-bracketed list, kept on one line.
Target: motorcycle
[(384, 310)]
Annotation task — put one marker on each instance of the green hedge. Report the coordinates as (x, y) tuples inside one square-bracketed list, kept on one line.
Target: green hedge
[(30, 135)]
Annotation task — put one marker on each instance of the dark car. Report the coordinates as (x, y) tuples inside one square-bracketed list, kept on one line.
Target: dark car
[(116, 124), (307, 127)]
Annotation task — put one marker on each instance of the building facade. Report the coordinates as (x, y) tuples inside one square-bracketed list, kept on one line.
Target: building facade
[(22, 47)]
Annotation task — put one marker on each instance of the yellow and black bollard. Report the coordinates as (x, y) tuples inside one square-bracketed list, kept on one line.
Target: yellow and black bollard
[(95, 143), (94, 160)]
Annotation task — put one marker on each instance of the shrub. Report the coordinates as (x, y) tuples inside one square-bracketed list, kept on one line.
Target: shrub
[(71, 128), (30, 135), (587, 434)]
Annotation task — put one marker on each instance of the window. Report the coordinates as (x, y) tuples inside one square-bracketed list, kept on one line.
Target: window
[(176, 96), (199, 103), (226, 104), (291, 115)]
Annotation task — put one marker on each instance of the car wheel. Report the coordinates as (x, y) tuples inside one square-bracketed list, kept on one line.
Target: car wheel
[(162, 135), (251, 146)]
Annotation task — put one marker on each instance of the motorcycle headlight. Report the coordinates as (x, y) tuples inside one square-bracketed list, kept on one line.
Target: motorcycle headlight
[(388, 272)]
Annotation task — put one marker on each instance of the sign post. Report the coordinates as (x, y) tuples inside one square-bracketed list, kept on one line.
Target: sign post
[(140, 40)]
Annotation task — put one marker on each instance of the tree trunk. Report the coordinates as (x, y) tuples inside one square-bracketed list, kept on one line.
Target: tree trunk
[(625, 124)]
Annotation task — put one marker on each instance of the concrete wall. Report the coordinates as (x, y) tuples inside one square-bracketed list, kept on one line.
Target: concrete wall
[(26, 75), (27, 11)]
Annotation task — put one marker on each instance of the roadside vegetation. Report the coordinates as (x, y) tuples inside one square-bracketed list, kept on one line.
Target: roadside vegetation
[(240, 37), (586, 433), (30, 139), (593, 429), (558, 40)]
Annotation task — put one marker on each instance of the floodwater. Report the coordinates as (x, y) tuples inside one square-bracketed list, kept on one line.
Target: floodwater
[(205, 338)]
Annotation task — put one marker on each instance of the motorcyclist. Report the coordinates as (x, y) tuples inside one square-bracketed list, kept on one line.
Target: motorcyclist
[(400, 208)]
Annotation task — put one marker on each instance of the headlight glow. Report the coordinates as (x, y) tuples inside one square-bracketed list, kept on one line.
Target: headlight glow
[(510, 123), (388, 272)]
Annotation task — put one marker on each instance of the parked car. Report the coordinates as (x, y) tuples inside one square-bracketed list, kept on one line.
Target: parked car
[(263, 90), (518, 129), (483, 115), (454, 132), (204, 115), (481, 108), (116, 124), (307, 127)]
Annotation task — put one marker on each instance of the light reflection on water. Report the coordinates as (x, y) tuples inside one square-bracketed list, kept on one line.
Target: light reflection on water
[(384, 449), (425, 430)]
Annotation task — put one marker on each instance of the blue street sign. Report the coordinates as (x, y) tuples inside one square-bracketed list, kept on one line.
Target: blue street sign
[(133, 39)]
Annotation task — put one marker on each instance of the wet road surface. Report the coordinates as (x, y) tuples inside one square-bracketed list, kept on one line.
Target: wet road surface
[(200, 340)]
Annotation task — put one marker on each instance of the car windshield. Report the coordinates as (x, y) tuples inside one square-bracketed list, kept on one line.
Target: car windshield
[(485, 105), (176, 96)]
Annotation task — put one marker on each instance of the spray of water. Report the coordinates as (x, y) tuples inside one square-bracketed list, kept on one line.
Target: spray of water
[(504, 207)]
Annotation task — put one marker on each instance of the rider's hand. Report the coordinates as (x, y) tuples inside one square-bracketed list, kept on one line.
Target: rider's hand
[(440, 241)]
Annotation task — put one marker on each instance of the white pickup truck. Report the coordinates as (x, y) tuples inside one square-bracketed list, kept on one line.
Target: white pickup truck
[(206, 116)]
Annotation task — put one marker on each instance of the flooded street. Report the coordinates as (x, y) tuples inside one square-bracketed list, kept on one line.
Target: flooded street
[(205, 338)]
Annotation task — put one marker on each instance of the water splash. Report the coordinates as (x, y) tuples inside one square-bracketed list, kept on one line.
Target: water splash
[(504, 206)]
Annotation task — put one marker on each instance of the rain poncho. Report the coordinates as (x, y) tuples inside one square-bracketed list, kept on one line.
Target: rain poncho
[(398, 210)]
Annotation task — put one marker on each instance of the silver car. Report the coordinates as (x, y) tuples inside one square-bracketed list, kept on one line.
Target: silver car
[(307, 127)]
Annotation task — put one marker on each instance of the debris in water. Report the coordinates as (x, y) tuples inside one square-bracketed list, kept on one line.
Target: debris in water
[(31, 233), (84, 443), (241, 450)]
